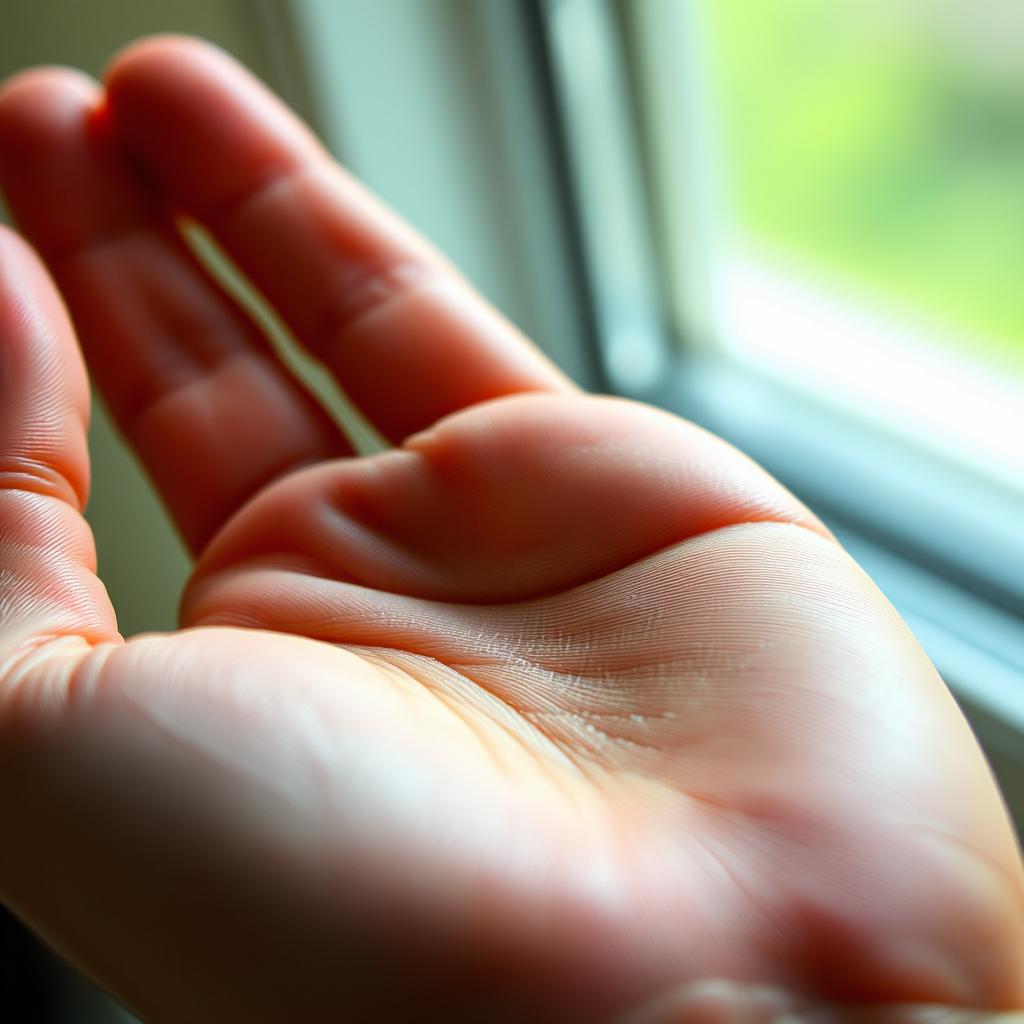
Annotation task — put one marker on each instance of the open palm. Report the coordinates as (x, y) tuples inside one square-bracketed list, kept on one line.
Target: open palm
[(558, 705)]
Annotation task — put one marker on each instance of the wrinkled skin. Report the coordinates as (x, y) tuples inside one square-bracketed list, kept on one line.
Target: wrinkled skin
[(560, 710)]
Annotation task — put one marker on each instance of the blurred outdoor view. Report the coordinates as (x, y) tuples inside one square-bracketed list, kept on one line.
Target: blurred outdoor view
[(883, 141)]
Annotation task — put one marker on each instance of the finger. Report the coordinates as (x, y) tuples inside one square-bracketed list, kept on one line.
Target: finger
[(195, 388), (48, 586), (407, 338)]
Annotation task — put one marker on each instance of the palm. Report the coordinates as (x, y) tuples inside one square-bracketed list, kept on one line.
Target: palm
[(558, 704)]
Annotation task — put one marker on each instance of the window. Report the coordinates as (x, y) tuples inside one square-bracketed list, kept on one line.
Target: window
[(826, 199), (858, 167)]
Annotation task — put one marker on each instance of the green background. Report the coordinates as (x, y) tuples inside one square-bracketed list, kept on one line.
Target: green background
[(883, 142)]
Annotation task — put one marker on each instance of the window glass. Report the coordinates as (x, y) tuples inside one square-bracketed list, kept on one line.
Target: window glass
[(881, 144)]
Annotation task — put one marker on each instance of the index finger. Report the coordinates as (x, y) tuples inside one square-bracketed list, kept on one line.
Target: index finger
[(405, 335)]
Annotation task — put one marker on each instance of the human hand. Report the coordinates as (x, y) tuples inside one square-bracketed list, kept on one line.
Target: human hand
[(558, 706)]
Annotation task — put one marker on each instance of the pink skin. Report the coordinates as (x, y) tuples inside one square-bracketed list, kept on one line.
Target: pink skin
[(561, 710)]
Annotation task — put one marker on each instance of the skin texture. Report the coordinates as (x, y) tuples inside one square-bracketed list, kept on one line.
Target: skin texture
[(560, 710)]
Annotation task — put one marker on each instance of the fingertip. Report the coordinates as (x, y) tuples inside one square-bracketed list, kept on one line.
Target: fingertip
[(200, 121), (36, 107), (144, 80), (154, 55), (41, 79), (60, 173), (161, 74)]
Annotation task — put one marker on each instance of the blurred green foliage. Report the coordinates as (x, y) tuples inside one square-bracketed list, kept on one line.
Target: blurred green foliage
[(884, 141)]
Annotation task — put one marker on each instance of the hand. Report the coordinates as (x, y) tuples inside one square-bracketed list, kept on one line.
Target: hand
[(558, 706)]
